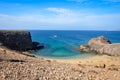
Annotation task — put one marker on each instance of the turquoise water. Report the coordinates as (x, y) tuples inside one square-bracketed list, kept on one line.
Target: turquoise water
[(62, 44)]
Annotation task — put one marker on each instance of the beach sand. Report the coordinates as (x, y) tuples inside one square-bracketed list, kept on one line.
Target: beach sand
[(17, 66), (92, 60)]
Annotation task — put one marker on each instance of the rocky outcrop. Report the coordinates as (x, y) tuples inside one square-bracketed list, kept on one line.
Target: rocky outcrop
[(18, 40), (101, 45)]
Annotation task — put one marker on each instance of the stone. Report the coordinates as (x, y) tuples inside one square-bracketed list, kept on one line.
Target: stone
[(101, 45), (18, 40), (36, 46), (85, 48), (99, 40), (98, 43)]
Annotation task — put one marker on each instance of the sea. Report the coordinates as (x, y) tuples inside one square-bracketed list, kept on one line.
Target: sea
[(62, 44)]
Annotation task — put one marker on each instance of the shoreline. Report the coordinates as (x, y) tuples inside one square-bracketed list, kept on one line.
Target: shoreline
[(90, 60), (86, 60)]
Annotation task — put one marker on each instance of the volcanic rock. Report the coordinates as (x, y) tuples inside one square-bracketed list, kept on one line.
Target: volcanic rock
[(18, 40), (101, 45)]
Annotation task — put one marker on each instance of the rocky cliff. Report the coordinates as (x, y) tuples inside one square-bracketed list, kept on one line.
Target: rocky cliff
[(18, 40), (101, 45)]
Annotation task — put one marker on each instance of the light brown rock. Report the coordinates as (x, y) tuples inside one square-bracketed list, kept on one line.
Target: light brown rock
[(101, 45)]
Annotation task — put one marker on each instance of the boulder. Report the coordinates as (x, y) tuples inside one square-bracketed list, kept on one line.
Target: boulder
[(37, 46), (101, 40), (101, 45), (18, 40), (98, 43)]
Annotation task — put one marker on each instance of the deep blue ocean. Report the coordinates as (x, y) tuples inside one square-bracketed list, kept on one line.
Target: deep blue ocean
[(62, 44)]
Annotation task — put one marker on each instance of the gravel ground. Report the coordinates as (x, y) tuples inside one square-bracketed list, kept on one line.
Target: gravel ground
[(16, 66)]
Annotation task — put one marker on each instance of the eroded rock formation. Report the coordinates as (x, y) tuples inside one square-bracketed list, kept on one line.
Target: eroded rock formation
[(101, 45), (18, 40)]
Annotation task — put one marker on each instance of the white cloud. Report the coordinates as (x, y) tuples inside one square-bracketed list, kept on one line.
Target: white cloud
[(58, 10), (64, 19), (61, 11)]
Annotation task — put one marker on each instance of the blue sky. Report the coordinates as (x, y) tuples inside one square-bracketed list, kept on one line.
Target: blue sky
[(60, 14)]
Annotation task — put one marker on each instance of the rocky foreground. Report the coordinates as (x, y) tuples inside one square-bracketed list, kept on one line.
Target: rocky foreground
[(18, 66)]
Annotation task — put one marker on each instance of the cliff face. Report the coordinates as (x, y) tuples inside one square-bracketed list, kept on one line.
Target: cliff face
[(17, 40), (101, 45)]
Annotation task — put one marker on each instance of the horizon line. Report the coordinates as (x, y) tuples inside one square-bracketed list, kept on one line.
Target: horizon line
[(60, 30)]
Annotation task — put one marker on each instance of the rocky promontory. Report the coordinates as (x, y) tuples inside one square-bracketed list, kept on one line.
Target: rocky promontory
[(101, 45), (18, 40)]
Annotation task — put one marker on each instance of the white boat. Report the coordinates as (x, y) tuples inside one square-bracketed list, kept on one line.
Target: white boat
[(55, 36)]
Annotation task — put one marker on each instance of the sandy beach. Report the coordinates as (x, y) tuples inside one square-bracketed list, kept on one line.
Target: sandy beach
[(16, 66), (92, 60)]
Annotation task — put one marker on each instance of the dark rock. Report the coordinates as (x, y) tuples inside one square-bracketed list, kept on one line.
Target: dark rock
[(101, 45), (18, 40), (15, 60), (37, 46)]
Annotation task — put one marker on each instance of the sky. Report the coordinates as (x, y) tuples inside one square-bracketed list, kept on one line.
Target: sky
[(60, 14)]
